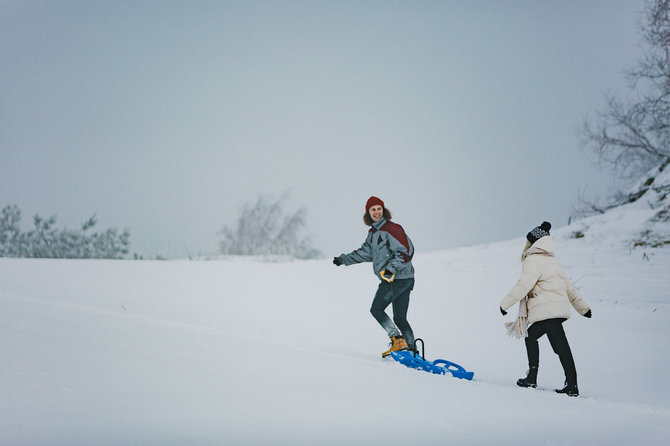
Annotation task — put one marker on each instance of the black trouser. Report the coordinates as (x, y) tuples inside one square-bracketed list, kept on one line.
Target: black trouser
[(553, 328), (396, 293)]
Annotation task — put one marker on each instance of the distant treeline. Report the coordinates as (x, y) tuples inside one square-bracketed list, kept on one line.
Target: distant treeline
[(262, 228), (47, 241)]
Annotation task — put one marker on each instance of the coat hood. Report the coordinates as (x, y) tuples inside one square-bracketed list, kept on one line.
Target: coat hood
[(544, 245)]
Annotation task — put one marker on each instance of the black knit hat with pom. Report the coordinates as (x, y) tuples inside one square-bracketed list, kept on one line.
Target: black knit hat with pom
[(538, 232)]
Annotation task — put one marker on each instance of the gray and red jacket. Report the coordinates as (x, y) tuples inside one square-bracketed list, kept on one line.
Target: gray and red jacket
[(388, 248)]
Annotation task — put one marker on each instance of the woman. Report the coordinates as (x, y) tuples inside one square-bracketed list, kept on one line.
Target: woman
[(390, 250), (544, 295)]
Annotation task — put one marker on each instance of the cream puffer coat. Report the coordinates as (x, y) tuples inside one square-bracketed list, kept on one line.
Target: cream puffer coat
[(549, 292)]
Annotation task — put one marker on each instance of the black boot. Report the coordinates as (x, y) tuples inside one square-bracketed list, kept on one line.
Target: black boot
[(570, 388), (530, 380)]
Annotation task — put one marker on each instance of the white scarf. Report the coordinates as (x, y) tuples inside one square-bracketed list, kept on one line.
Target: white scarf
[(519, 327)]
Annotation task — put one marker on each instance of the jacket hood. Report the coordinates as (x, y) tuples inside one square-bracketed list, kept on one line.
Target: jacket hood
[(545, 244)]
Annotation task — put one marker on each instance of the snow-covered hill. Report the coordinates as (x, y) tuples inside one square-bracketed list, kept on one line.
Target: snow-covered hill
[(639, 219), (241, 351)]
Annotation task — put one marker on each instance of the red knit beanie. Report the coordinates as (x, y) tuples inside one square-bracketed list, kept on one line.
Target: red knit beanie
[(373, 201)]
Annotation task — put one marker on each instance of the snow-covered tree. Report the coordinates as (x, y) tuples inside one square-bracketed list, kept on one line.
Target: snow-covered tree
[(264, 229), (46, 241)]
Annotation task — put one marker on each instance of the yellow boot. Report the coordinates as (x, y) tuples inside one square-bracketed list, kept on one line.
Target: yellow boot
[(397, 344)]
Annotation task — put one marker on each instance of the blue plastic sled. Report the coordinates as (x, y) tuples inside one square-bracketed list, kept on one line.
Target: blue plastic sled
[(438, 367)]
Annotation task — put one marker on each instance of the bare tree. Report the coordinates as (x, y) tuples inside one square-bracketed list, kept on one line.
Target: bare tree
[(633, 136), (263, 229)]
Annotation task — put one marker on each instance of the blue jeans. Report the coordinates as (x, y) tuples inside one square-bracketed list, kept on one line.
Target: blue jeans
[(396, 293)]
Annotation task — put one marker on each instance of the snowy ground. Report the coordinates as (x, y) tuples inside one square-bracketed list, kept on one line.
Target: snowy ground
[(241, 351)]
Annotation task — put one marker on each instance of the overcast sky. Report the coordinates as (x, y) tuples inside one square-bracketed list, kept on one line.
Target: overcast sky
[(165, 117)]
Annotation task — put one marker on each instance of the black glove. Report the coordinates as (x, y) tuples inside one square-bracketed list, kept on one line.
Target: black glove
[(337, 261), (588, 314), (503, 311)]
